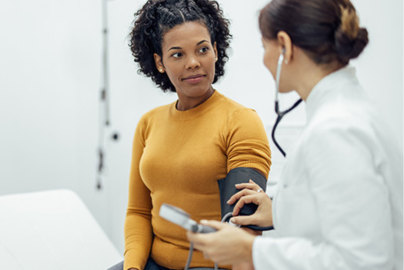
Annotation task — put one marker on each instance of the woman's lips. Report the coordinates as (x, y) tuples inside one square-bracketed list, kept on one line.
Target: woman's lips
[(194, 78)]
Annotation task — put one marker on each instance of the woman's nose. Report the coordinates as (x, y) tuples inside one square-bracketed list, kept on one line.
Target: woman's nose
[(193, 62)]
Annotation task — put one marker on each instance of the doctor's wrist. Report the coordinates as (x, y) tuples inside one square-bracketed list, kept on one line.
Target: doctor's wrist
[(248, 243)]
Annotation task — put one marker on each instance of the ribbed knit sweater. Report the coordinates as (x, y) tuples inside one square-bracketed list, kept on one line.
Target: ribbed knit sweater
[(178, 157)]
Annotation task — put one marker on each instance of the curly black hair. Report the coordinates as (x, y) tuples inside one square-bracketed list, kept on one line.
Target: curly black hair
[(157, 17)]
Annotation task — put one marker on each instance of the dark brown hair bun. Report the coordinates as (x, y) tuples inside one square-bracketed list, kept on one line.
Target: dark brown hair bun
[(350, 39)]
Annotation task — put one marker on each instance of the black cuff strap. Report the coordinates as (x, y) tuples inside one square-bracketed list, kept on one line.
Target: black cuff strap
[(227, 189)]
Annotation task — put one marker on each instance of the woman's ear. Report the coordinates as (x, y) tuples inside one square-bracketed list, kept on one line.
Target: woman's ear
[(159, 63), (285, 43)]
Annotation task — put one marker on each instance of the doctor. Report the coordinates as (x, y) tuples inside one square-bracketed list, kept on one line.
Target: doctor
[(339, 204)]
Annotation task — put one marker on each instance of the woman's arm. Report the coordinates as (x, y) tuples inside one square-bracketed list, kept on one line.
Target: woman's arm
[(138, 231), (247, 142), (248, 147)]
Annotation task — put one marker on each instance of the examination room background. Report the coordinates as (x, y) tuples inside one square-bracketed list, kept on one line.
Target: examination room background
[(51, 73)]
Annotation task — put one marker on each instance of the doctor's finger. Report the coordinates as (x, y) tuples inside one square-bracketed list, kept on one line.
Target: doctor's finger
[(214, 223), (251, 198), (250, 185), (240, 194), (245, 220)]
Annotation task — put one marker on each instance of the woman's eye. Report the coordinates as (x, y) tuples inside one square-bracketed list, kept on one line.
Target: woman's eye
[(203, 50), (177, 55)]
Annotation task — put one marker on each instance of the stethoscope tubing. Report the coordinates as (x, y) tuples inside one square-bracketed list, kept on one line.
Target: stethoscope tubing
[(278, 112)]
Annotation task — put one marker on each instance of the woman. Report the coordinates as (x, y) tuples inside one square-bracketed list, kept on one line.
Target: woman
[(182, 149), (339, 201)]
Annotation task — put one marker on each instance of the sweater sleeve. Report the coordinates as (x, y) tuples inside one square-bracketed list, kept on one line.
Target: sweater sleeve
[(247, 142), (138, 231)]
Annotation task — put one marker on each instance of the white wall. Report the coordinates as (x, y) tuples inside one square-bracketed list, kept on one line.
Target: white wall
[(50, 71), (49, 78)]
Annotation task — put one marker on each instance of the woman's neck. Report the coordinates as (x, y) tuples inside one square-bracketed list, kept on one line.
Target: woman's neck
[(187, 103), (310, 74)]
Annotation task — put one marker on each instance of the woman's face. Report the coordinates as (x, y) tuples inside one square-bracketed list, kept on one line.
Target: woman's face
[(189, 61), (271, 55)]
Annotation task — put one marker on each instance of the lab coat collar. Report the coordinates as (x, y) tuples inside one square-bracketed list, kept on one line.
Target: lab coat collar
[(328, 84)]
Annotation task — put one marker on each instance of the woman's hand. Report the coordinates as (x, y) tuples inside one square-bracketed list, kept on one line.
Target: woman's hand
[(252, 193), (229, 245)]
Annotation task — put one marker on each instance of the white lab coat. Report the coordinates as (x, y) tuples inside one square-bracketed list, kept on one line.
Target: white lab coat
[(339, 203)]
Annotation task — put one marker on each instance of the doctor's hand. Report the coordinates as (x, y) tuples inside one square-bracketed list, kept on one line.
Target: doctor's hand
[(229, 245), (252, 193)]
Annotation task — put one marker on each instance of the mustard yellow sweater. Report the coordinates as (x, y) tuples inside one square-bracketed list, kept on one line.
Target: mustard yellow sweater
[(178, 157)]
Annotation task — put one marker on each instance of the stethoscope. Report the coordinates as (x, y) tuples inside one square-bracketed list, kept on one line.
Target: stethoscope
[(278, 112)]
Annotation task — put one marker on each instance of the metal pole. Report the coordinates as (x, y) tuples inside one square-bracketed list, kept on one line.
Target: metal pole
[(105, 61), (104, 116)]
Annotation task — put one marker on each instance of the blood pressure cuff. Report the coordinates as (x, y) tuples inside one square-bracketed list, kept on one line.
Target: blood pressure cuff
[(227, 189)]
